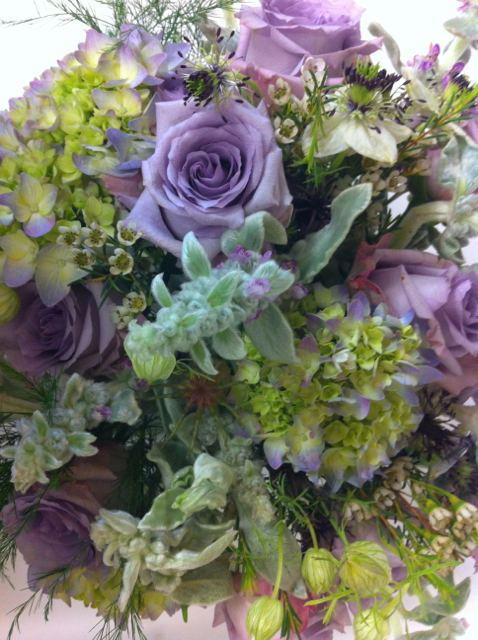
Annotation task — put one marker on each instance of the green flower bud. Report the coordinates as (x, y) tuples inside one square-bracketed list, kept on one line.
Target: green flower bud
[(319, 570), (264, 618), (158, 368), (365, 568), (371, 625)]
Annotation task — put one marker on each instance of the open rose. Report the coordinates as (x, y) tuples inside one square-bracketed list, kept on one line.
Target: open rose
[(73, 336), (208, 174), (442, 298), (58, 534), (278, 37)]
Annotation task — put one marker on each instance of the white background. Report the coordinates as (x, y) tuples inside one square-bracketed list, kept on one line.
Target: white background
[(25, 52)]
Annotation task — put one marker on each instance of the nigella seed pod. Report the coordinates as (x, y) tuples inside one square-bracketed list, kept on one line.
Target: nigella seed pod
[(9, 304), (319, 569), (371, 625), (365, 569), (264, 618)]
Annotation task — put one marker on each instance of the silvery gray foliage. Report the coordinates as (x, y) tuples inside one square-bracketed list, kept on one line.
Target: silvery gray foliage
[(184, 531), (48, 443), (216, 301), (458, 172)]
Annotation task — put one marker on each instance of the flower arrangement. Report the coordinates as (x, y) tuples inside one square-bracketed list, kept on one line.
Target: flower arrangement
[(239, 343)]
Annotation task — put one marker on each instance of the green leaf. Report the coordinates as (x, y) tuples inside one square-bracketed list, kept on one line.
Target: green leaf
[(195, 261), (458, 166), (280, 279), (272, 336), (229, 345), (314, 252), (41, 425), (446, 629), (224, 290), (120, 521), (160, 291), (391, 47), (263, 540), (274, 231), (80, 444), (250, 235), (465, 25), (201, 356), (125, 408), (187, 560), (207, 585), (162, 515), (438, 608)]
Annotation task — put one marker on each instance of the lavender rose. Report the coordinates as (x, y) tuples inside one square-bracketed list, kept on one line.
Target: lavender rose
[(277, 38), (59, 532), (73, 336), (440, 296), (207, 175)]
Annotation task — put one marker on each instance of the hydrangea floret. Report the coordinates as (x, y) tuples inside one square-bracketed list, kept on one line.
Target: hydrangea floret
[(350, 401)]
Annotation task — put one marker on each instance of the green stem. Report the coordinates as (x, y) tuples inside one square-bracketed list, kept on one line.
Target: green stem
[(280, 562), (312, 533)]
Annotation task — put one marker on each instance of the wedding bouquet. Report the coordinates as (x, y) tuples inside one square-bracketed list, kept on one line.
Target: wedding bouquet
[(239, 343)]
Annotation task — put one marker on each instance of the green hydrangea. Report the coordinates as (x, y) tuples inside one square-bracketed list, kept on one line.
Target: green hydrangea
[(349, 401)]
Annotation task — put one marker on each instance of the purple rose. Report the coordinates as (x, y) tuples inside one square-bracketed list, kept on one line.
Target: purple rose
[(207, 175), (59, 532), (277, 38), (439, 295), (73, 336)]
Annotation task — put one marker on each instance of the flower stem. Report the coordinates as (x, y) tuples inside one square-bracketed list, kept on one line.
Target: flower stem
[(280, 562)]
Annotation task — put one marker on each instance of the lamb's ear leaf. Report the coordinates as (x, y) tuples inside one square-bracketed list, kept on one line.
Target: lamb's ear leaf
[(194, 258), (202, 357), (229, 345), (314, 252), (272, 335)]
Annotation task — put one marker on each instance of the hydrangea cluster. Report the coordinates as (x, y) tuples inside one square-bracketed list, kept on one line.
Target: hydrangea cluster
[(349, 403)]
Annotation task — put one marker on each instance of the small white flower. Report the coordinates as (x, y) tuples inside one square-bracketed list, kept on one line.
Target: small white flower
[(440, 518), (343, 183), (121, 263), (396, 183), (384, 498), (317, 67), (69, 236), (83, 258), (128, 233), (280, 92), (285, 131), (95, 235), (136, 302), (121, 316), (375, 179)]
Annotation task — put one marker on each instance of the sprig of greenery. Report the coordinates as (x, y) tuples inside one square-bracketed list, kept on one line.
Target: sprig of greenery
[(175, 18)]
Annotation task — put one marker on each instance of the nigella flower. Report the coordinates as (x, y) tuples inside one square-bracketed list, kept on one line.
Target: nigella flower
[(367, 118)]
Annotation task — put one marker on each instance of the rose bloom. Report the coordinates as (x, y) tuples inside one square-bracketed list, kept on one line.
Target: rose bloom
[(278, 37), (207, 175), (72, 336), (59, 532), (443, 300)]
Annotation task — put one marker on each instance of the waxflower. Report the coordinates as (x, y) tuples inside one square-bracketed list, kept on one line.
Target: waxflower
[(280, 93), (95, 235), (69, 236), (121, 263), (128, 232), (319, 569), (285, 130), (82, 258), (264, 618), (364, 568)]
